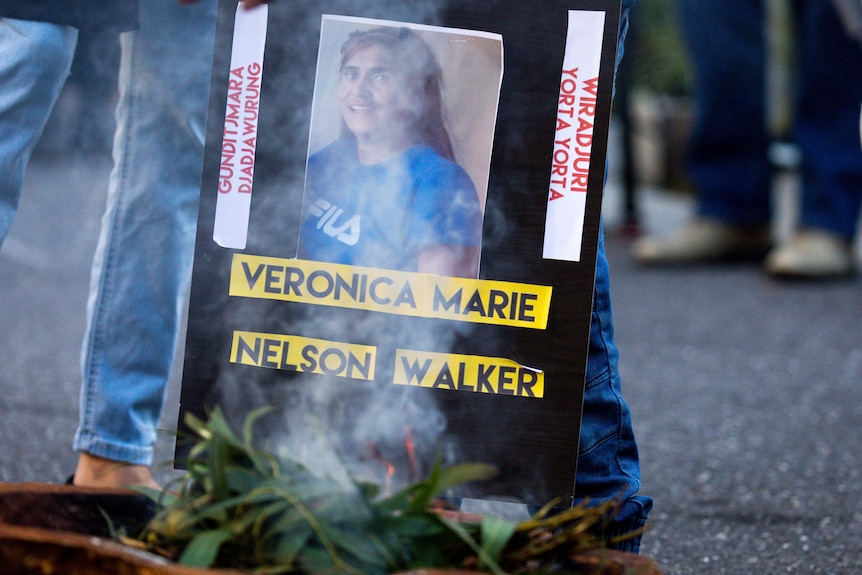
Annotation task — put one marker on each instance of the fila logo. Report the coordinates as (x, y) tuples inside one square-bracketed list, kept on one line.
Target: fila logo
[(331, 222)]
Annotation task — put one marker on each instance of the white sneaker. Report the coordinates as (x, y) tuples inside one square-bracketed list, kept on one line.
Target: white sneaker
[(705, 240), (811, 253)]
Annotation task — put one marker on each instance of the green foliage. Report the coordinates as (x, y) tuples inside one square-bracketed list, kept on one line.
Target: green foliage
[(240, 507), (655, 50)]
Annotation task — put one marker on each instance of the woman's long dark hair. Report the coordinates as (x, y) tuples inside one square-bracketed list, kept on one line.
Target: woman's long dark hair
[(423, 74)]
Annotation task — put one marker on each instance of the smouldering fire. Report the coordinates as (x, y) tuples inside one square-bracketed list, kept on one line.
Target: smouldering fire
[(410, 447), (389, 465)]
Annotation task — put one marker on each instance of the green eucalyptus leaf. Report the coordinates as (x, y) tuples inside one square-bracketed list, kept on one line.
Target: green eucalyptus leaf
[(219, 427), (427, 556), (197, 425), (416, 525), (277, 516), (287, 547), (359, 547), (316, 559), (464, 473), (249, 422), (484, 558), (495, 535), (242, 479), (203, 549)]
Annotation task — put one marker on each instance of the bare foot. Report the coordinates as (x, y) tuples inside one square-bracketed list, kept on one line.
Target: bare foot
[(95, 471)]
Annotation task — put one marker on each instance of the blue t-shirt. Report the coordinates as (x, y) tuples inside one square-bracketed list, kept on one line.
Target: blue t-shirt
[(382, 215)]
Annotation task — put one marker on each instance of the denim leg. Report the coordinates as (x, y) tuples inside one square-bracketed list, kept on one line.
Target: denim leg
[(827, 119), (35, 58), (142, 265), (727, 161), (608, 463)]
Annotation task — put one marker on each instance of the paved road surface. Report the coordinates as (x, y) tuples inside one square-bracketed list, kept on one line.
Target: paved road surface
[(746, 393), (747, 398)]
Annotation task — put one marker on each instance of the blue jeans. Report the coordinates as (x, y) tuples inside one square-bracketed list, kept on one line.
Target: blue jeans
[(728, 155), (35, 58), (608, 462), (142, 265)]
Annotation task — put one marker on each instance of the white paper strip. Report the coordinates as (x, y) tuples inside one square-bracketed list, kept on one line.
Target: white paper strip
[(236, 171), (573, 139)]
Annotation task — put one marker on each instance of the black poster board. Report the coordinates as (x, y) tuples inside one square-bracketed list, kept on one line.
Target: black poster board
[(375, 365)]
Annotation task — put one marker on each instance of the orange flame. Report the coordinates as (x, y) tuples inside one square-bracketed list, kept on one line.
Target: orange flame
[(410, 447)]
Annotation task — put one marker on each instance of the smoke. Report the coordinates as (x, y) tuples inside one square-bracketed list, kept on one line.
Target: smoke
[(339, 427)]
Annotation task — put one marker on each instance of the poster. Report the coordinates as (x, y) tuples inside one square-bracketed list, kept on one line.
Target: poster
[(397, 235)]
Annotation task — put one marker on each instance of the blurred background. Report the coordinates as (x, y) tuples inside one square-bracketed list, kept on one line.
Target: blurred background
[(655, 106)]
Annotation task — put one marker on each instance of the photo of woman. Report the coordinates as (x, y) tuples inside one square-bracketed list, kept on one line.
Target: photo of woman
[(388, 192)]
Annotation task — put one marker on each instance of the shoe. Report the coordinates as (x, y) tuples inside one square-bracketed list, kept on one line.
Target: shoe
[(812, 254), (705, 240)]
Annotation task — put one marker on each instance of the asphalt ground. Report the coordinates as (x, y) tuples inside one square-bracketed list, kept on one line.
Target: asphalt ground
[(746, 395), (746, 392)]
